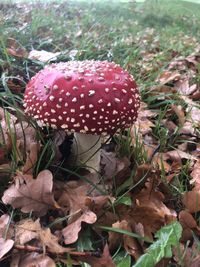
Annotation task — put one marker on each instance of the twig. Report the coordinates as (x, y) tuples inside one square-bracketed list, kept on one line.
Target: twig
[(72, 253)]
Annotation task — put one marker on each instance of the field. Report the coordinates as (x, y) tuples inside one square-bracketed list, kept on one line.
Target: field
[(142, 206)]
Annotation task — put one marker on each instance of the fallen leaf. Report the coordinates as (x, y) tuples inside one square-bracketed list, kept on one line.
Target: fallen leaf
[(180, 113), (31, 159), (182, 86), (168, 76), (51, 241), (27, 230), (70, 232), (4, 219), (104, 261), (31, 195), (195, 174), (178, 155), (43, 55), (34, 260), (15, 48), (130, 244), (150, 211), (111, 165), (5, 246), (191, 200)]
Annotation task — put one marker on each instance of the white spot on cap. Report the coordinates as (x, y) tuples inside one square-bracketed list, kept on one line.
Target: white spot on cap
[(75, 88), (55, 87), (68, 94), (101, 79), (130, 101), (74, 100), (53, 110), (86, 128), (107, 90), (91, 106), (60, 117), (64, 126), (91, 93), (52, 97), (82, 107), (117, 100)]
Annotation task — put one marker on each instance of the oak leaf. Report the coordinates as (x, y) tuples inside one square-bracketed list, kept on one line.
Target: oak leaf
[(5, 246), (130, 244), (32, 260), (31, 195), (70, 232), (104, 261)]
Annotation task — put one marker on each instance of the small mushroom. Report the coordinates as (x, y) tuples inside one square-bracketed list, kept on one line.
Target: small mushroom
[(89, 98)]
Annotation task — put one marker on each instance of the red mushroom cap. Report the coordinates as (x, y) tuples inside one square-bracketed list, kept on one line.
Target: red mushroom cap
[(83, 96)]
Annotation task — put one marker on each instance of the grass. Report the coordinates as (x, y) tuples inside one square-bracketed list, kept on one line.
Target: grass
[(125, 33)]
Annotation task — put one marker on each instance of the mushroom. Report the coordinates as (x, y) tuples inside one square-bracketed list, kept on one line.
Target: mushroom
[(88, 98)]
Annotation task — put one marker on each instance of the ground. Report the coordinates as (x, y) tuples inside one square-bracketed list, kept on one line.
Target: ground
[(142, 209)]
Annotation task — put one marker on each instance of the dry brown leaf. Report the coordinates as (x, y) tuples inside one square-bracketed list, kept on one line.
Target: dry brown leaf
[(191, 200), (4, 219), (143, 125), (111, 165), (178, 155), (43, 55), (51, 242), (31, 195), (5, 246), (187, 256), (32, 260), (72, 196), (183, 87), (70, 232), (150, 211), (104, 261), (179, 112), (195, 174), (193, 111), (15, 48), (168, 76), (130, 244), (186, 219), (31, 158), (27, 230)]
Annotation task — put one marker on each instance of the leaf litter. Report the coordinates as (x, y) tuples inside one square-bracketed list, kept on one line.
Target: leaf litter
[(55, 209)]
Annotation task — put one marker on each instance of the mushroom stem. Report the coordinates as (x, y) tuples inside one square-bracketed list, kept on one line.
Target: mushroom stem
[(86, 150)]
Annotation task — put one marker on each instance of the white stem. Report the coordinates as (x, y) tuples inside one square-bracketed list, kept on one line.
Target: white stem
[(86, 150)]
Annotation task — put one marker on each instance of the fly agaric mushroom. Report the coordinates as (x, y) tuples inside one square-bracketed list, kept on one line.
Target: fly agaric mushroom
[(88, 98)]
